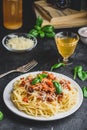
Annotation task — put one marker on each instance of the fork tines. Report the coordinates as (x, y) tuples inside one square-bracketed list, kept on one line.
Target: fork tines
[(30, 65)]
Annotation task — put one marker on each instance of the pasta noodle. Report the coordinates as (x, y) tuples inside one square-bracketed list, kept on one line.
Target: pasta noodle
[(40, 98)]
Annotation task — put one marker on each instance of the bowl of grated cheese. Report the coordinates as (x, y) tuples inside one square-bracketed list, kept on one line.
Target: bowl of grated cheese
[(19, 42)]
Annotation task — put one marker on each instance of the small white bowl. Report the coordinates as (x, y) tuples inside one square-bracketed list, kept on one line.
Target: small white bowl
[(83, 34), (25, 36)]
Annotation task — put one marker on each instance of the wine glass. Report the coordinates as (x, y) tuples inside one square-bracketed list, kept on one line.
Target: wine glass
[(66, 43)]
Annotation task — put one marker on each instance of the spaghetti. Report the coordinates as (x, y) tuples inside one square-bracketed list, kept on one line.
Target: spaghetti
[(36, 95)]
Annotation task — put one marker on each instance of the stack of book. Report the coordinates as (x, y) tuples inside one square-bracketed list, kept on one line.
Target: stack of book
[(60, 18)]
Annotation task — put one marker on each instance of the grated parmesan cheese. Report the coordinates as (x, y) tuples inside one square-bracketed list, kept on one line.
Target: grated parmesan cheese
[(20, 43)]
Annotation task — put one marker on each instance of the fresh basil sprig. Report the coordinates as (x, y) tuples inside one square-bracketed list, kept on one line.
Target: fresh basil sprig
[(84, 90), (39, 31), (55, 66), (78, 71)]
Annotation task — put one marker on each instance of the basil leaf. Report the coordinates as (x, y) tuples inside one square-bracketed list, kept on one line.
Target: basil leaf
[(41, 34), (37, 27), (84, 89), (55, 66), (41, 76), (34, 32), (77, 70), (48, 28), (50, 34), (35, 80), (82, 75), (1, 116), (39, 21), (58, 87)]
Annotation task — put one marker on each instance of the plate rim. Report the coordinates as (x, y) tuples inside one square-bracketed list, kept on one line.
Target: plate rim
[(12, 108)]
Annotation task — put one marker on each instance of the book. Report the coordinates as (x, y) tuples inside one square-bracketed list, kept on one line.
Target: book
[(60, 18)]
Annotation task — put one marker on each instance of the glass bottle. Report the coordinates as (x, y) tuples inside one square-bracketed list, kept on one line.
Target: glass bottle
[(12, 14)]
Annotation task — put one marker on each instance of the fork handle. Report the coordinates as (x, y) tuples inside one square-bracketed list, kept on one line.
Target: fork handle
[(2, 75)]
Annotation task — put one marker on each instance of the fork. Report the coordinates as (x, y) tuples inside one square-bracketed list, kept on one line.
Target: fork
[(25, 68)]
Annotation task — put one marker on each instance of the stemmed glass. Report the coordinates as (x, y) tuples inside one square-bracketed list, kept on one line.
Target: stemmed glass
[(66, 43)]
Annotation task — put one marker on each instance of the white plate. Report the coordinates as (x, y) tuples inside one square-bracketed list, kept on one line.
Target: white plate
[(10, 105)]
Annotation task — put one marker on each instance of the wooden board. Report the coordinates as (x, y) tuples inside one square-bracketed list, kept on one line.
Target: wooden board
[(60, 18)]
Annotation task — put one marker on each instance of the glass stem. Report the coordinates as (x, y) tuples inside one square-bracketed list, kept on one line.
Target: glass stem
[(65, 60)]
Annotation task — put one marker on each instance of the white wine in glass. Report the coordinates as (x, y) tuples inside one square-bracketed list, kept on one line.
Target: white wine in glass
[(66, 43)]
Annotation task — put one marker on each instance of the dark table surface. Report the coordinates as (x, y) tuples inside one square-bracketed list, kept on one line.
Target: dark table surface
[(46, 54)]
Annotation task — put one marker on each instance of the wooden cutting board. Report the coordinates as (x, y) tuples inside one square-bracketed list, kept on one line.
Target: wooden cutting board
[(60, 18)]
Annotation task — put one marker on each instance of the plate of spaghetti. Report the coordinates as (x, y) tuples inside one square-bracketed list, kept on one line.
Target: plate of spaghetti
[(43, 96)]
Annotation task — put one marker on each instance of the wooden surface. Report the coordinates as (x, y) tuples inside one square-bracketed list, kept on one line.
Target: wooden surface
[(60, 18)]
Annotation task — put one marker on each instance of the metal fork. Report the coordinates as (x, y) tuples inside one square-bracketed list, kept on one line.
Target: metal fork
[(25, 68)]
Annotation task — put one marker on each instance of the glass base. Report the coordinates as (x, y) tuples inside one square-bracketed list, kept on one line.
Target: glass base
[(66, 62)]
